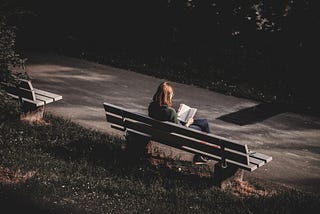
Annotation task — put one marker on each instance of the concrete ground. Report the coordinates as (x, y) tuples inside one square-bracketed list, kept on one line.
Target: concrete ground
[(293, 140)]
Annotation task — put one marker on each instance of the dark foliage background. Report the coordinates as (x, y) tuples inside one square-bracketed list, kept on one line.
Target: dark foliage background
[(269, 46)]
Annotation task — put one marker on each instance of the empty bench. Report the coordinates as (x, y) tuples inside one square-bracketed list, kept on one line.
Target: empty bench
[(32, 99), (232, 157)]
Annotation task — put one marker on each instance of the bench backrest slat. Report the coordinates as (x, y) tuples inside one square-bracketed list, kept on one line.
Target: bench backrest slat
[(261, 157), (50, 95), (25, 84), (171, 127), (21, 92), (177, 140), (127, 114), (211, 138)]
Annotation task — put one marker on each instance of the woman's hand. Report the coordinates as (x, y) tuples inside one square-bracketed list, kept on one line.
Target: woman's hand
[(190, 121)]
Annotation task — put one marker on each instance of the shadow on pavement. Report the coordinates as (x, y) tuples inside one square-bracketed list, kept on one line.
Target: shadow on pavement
[(253, 114)]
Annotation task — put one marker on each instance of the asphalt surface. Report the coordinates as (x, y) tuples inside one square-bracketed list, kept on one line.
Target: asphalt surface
[(293, 140)]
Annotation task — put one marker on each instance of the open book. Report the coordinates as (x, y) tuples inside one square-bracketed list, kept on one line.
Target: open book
[(185, 112)]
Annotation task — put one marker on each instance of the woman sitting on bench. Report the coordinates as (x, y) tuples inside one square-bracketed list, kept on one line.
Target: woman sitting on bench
[(161, 109)]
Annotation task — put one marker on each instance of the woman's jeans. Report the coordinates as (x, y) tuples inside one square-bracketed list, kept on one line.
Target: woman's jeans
[(200, 124)]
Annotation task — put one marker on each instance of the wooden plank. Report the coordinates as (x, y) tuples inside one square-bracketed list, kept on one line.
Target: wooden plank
[(25, 91), (20, 92), (139, 133), (260, 156), (12, 90), (167, 126), (184, 143), (256, 161), (250, 167), (25, 84), (175, 140), (196, 151), (139, 117), (171, 127), (55, 97), (117, 110), (12, 95), (27, 94), (46, 100), (120, 128), (114, 119), (113, 109), (36, 103), (187, 139), (210, 138)]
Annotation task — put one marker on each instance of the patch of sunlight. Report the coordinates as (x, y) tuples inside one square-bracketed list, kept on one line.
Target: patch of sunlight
[(65, 72), (50, 68)]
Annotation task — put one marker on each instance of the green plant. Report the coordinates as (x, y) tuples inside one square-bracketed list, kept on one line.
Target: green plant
[(8, 59), (8, 56)]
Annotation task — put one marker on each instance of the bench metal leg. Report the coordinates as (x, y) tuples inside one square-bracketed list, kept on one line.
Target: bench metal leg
[(223, 177), (140, 146), (136, 145)]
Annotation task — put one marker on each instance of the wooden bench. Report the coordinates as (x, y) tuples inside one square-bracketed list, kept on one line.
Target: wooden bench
[(32, 99), (231, 157)]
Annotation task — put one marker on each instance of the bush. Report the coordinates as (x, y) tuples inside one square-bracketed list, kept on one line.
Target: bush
[(8, 56), (9, 108)]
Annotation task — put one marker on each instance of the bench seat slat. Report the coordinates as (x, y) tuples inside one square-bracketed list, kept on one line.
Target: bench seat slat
[(260, 156), (249, 167), (27, 94), (256, 161), (35, 103), (53, 96), (46, 100)]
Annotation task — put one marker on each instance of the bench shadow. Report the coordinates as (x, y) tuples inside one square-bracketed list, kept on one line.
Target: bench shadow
[(253, 114), (130, 161), (14, 201)]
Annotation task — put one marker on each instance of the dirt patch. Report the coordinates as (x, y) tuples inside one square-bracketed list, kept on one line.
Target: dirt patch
[(10, 177), (236, 187), (245, 189)]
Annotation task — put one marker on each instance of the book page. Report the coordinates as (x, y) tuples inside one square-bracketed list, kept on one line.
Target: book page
[(191, 114), (185, 112)]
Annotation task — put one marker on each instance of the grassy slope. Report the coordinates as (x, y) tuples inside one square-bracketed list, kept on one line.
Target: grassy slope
[(63, 168)]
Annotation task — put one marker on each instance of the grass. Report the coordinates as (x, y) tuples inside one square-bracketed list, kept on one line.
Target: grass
[(64, 168)]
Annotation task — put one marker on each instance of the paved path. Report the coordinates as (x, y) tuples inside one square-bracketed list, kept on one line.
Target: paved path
[(292, 140)]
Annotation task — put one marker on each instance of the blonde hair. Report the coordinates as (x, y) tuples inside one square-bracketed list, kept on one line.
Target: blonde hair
[(163, 94)]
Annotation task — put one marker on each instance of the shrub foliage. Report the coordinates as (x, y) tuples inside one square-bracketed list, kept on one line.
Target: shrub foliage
[(8, 59)]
